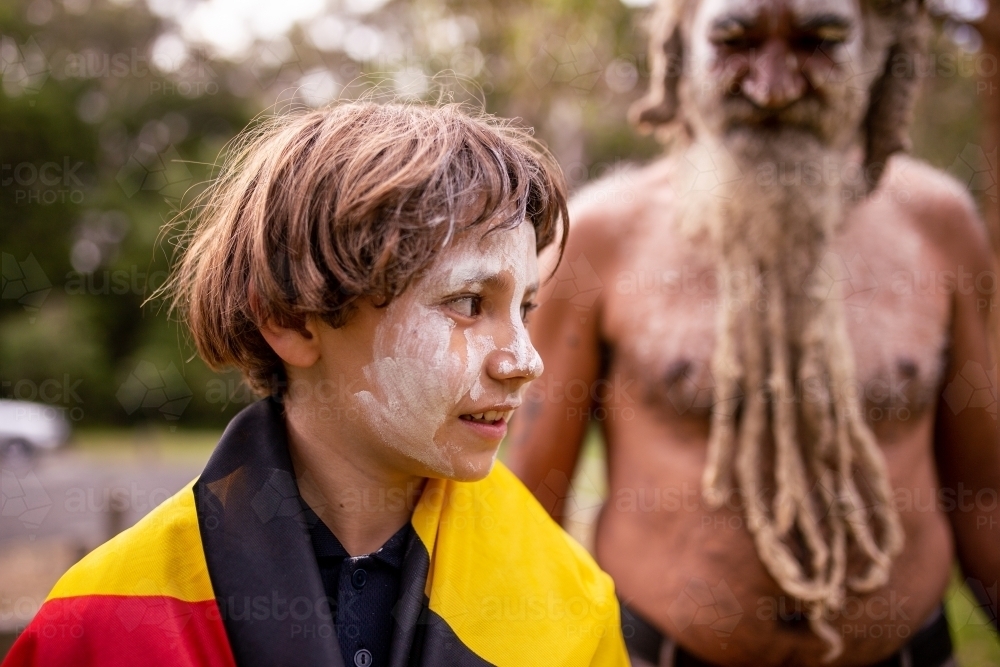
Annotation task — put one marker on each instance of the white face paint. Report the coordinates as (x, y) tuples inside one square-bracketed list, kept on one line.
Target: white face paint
[(435, 358)]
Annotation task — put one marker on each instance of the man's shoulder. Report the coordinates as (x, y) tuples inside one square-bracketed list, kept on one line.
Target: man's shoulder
[(160, 555), (613, 213), (938, 205), (621, 198)]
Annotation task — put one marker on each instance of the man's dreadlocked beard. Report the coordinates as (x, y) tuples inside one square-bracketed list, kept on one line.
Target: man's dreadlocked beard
[(812, 479)]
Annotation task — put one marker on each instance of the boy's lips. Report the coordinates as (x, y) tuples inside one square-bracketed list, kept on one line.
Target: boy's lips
[(495, 430), (490, 415), (491, 422)]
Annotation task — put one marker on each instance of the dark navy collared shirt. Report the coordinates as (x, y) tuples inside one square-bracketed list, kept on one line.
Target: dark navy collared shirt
[(364, 589)]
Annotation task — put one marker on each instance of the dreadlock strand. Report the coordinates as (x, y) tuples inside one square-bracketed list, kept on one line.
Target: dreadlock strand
[(790, 489), (870, 462), (716, 478), (775, 555)]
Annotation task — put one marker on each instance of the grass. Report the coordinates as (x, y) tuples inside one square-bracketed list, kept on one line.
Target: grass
[(161, 443), (976, 643)]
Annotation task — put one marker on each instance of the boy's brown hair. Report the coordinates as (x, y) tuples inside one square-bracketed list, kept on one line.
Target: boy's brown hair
[(314, 210)]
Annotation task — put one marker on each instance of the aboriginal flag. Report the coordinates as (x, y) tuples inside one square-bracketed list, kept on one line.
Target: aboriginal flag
[(223, 573)]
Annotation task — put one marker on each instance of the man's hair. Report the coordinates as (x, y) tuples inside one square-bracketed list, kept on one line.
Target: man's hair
[(313, 210), (813, 481), (891, 97)]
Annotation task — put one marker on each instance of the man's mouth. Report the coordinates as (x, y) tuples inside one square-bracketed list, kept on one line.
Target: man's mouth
[(489, 417), (802, 117)]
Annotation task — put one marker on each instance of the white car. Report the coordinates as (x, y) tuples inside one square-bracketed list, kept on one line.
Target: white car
[(29, 427)]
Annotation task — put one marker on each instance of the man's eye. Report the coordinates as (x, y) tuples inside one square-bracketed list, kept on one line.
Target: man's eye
[(817, 41), (527, 308), (467, 306), (731, 35), (737, 43), (822, 35), (833, 34)]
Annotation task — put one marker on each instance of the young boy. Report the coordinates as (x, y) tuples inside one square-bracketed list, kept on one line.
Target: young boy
[(369, 268)]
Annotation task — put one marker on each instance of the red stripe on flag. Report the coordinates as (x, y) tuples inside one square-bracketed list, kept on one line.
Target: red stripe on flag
[(120, 630)]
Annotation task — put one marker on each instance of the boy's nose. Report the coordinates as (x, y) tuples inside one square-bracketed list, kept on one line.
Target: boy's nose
[(517, 361)]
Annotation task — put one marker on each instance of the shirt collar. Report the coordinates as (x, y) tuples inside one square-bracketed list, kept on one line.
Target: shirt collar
[(326, 544)]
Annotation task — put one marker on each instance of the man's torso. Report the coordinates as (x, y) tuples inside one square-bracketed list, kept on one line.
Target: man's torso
[(694, 571)]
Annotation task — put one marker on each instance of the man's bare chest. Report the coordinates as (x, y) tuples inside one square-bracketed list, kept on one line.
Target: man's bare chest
[(663, 302)]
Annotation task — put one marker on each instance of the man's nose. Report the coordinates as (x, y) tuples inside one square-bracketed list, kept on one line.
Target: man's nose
[(775, 78)]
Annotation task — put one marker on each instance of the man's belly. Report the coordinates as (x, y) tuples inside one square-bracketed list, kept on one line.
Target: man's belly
[(694, 572)]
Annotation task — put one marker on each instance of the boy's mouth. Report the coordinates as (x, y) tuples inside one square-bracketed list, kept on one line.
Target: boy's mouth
[(488, 417)]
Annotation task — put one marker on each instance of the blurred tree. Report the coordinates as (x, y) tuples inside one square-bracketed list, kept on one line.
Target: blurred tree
[(112, 114), (96, 146)]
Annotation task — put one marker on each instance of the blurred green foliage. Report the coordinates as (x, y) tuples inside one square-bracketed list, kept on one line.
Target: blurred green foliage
[(109, 122)]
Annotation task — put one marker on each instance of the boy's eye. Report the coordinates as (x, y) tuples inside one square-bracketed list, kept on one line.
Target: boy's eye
[(467, 306), (526, 308)]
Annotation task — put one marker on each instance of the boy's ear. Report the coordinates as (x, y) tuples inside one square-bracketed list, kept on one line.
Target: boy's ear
[(296, 347)]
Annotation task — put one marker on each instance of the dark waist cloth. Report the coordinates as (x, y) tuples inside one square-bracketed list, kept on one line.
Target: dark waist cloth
[(929, 647)]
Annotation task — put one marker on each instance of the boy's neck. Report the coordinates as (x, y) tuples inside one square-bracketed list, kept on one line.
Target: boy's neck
[(362, 504)]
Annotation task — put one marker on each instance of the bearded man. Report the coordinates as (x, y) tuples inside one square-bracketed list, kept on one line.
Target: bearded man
[(781, 329)]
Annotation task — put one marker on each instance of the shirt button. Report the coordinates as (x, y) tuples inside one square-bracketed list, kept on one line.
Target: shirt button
[(359, 578), (363, 658)]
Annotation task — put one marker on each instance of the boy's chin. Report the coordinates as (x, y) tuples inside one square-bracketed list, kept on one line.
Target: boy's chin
[(476, 471), (469, 468)]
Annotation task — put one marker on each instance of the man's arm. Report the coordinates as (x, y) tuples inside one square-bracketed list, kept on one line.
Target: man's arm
[(966, 439), (548, 430)]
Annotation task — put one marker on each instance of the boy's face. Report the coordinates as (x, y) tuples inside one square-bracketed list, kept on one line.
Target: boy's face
[(449, 359)]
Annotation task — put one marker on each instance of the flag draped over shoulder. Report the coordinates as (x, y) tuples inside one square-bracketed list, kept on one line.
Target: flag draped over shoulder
[(223, 573)]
